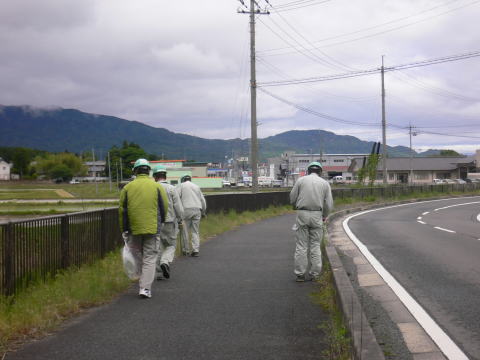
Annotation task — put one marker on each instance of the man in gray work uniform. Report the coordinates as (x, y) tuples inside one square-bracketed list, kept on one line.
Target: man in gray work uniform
[(167, 240), (194, 206), (312, 197)]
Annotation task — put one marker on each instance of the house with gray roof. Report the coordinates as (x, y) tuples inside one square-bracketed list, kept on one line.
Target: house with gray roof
[(425, 169)]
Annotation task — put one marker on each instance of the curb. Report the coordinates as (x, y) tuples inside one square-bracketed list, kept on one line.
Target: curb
[(364, 342)]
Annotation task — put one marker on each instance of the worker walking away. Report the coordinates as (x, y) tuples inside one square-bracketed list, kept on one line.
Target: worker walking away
[(312, 197), (167, 240), (142, 210), (194, 207)]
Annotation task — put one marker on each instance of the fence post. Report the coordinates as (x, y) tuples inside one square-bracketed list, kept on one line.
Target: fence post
[(103, 233), (65, 240), (9, 258)]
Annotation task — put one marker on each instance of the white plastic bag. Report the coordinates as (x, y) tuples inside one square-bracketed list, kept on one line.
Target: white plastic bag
[(129, 263)]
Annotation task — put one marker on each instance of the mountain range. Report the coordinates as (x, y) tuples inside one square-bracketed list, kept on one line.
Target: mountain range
[(58, 129)]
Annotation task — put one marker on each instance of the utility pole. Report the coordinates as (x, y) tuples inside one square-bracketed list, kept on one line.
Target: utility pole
[(253, 11), (410, 127), (94, 172), (384, 129), (109, 171), (121, 171)]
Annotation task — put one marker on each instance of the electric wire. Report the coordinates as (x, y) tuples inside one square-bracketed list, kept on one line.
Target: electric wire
[(412, 81), (284, 75), (316, 113), (330, 58), (307, 53), (301, 6), (377, 33), (376, 70)]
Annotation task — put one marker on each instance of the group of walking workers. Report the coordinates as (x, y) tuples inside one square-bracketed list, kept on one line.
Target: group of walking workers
[(151, 213)]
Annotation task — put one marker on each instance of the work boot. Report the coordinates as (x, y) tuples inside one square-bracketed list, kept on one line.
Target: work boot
[(195, 254), (300, 278), (165, 270)]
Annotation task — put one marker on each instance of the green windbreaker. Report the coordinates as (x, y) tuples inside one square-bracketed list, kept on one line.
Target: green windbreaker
[(143, 206)]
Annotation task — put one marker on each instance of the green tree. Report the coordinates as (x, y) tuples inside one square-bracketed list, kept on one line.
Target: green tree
[(126, 155), (63, 165), (449, 153)]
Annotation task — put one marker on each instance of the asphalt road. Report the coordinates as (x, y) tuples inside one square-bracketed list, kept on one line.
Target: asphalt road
[(238, 300), (433, 250)]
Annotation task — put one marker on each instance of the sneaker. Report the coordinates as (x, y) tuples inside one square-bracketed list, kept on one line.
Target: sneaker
[(165, 270), (300, 278), (195, 254), (145, 293), (160, 277)]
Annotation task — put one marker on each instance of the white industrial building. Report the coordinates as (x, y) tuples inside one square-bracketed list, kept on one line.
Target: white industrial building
[(5, 169)]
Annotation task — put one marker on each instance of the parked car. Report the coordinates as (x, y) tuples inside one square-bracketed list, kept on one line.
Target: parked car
[(438, 181), (450, 181), (226, 183), (74, 181), (467, 180), (460, 181)]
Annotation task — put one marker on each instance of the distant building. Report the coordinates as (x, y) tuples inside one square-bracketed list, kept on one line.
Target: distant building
[(5, 170), (294, 165), (95, 168), (199, 171), (425, 169)]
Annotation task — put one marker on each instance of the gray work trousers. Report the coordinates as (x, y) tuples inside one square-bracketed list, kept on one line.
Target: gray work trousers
[(144, 249), (167, 242), (191, 224), (308, 236)]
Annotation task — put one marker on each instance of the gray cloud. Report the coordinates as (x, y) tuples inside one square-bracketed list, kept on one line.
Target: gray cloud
[(184, 65)]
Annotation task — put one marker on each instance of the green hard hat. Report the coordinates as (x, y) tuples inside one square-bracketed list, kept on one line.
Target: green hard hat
[(159, 168), (314, 164), (141, 162)]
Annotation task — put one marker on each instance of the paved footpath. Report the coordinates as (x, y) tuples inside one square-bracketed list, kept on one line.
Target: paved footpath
[(238, 300)]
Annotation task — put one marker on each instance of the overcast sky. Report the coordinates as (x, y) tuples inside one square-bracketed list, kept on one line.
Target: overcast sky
[(184, 65)]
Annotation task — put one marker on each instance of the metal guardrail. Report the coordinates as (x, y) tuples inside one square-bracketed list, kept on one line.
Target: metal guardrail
[(40, 248)]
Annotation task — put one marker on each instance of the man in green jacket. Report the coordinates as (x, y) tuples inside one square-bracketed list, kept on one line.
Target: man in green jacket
[(142, 210)]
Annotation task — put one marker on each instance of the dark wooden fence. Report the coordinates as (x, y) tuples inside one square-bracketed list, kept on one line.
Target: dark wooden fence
[(40, 248)]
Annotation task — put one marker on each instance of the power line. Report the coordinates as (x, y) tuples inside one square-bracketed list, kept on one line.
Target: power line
[(411, 80), (301, 5), (284, 75), (352, 74), (316, 113), (381, 25), (307, 53), (350, 122), (331, 59)]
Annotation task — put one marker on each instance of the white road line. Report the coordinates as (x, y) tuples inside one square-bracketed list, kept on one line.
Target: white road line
[(439, 228), (450, 206), (421, 222), (426, 212), (419, 218), (443, 341), (478, 217)]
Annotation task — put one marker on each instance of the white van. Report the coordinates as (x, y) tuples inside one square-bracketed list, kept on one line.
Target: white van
[(338, 179)]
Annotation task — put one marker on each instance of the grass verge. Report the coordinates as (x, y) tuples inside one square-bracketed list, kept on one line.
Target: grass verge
[(43, 306), (336, 333)]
